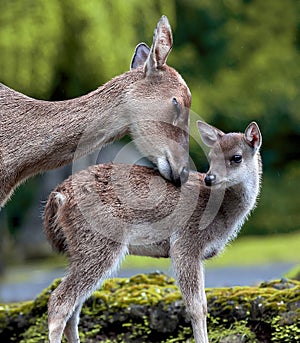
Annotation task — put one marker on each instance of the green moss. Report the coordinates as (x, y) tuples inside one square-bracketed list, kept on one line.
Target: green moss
[(286, 329), (149, 308), (239, 331)]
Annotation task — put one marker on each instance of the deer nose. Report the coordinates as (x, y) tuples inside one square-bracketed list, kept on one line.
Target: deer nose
[(178, 176), (182, 177), (179, 179), (210, 179)]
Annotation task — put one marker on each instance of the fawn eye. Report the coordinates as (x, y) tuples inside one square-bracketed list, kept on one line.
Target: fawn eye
[(236, 158)]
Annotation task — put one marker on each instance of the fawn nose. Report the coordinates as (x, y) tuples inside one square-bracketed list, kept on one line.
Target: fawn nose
[(210, 179)]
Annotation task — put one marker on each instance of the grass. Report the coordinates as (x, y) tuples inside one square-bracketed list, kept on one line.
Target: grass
[(256, 250), (243, 251)]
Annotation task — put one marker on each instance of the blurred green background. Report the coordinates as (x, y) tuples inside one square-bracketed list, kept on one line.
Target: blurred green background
[(240, 58)]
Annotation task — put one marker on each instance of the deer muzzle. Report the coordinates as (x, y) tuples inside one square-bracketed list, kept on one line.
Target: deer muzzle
[(178, 175)]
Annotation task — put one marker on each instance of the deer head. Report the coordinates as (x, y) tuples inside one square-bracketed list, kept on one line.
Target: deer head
[(162, 96)]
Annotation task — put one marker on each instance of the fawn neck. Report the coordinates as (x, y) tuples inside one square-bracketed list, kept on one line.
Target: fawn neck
[(236, 203)]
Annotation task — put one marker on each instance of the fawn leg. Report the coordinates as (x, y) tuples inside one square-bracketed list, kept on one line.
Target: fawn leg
[(71, 329), (190, 276), (84, 276)]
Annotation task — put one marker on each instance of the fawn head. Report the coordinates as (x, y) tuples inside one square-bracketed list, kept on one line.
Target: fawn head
[(162, 96), (233, 156)]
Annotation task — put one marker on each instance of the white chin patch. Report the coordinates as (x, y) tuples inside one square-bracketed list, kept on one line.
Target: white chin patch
[(164, 167)]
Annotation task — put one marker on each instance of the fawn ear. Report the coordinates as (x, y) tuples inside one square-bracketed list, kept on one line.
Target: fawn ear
[(140, 56), (209, 134), (253, 136), (161, 46)]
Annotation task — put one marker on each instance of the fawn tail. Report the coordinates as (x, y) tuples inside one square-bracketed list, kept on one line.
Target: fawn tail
[(53, 230)]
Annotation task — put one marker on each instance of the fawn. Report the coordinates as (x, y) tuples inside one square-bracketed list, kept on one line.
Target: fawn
[(150, 102), (99, 215)]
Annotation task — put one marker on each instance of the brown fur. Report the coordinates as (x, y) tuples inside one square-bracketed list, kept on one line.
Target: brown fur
[(99, 215), (37, 135)]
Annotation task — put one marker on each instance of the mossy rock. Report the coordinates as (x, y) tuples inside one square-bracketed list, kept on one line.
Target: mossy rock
[(149, 308)]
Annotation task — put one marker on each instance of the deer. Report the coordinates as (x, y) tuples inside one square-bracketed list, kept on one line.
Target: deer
[(150, 102), (105, 212)]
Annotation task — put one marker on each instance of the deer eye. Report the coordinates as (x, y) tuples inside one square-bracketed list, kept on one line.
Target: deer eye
[(177, 106), (236, 158)]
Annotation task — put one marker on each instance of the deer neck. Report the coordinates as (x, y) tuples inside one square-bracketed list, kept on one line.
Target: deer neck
[(38, 135)]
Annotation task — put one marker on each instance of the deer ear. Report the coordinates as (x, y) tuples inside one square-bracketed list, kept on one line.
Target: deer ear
[(161, 46), (209, 134), (253, 136), (140, 56)]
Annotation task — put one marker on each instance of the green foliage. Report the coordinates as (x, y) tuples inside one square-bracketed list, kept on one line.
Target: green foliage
[(16, 210), (64, 48), (261, 71), (29, 44), (278, 207), (248, 60)]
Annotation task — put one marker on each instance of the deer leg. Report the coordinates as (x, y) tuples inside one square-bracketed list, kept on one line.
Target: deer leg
[(84, 276), (190, 277)]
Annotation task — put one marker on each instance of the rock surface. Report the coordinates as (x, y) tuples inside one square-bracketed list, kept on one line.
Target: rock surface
[(149, 308)]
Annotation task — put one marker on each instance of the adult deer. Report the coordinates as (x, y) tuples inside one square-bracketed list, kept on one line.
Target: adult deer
[(99, 215), (151, 102)]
